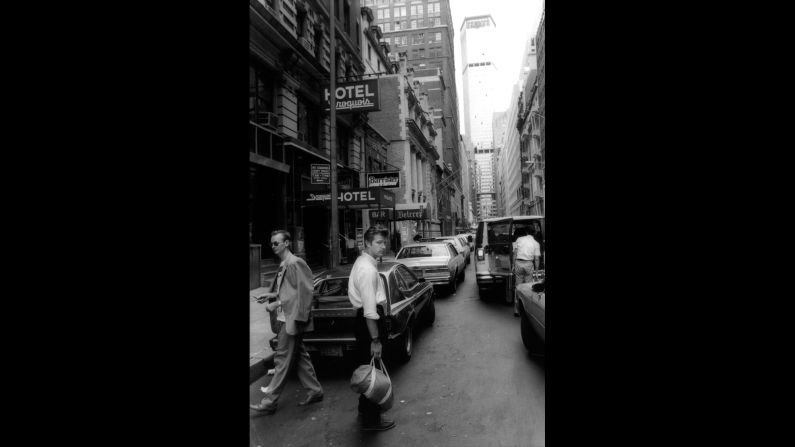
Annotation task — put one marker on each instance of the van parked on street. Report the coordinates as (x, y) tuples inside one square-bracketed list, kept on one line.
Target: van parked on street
[(494, 257)]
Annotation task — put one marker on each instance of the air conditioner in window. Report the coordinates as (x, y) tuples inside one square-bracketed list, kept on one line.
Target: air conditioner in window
[(269, 119)]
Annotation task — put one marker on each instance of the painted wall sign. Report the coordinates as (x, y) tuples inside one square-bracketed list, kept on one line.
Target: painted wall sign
[(321, 174), (357, 96), (388, 179)]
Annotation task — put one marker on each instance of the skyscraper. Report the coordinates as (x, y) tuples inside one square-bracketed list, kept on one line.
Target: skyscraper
[(478, 39), (423, 29)]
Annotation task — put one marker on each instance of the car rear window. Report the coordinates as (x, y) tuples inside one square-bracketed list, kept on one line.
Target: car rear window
[(422, 251), (333, 287)]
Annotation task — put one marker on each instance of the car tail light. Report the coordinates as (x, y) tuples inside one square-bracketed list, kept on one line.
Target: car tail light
[(480, 254)]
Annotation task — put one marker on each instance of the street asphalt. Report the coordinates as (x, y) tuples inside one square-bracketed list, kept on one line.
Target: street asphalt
[(470, 382)]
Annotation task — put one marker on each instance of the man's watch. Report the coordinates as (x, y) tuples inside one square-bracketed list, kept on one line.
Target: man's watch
[(375, 339)]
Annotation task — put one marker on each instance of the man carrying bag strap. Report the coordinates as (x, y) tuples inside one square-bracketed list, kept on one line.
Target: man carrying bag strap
[(365, 292)]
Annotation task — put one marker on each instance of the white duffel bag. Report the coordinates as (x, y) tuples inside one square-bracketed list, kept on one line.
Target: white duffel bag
[(374, 383)]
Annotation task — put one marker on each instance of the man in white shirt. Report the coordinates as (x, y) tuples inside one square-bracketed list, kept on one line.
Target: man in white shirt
[(528, 257), (366, 291)]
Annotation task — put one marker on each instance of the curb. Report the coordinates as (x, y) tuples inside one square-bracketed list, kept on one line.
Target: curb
[(259, 368)]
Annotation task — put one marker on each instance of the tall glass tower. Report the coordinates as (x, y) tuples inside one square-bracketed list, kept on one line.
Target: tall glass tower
[(478, 41)]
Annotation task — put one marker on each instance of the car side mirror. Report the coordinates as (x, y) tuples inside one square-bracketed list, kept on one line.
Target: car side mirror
[(421, 279), (537, 288)]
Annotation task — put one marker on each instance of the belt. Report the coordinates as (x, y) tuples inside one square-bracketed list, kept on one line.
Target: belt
[(523, 259)]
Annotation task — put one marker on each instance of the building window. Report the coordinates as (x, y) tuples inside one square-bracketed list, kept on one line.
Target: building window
[(413, 24), (262, 89), (397, 26), (438, 37), (308, 122)]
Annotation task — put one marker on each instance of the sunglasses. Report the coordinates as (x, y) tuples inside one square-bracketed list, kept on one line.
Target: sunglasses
[(273, 244)]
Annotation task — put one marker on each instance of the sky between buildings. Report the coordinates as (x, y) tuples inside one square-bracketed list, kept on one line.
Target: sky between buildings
[(515, 20)]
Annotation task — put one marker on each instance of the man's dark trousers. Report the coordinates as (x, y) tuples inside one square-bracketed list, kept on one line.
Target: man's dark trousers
[(371, 411)]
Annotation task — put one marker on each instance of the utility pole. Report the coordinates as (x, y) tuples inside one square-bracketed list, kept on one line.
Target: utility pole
[(335, 242)]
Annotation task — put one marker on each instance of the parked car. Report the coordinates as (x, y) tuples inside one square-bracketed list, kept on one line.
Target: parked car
[(470, 240), (460, 245), (532, 301), (437, 261), (410, 301), (494, 252)]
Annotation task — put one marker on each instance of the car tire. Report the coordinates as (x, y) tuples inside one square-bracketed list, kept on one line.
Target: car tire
[(453, 285), (463, 275), (405, 345)]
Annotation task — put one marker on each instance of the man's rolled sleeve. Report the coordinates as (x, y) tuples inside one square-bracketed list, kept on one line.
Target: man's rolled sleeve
[(370, 285)]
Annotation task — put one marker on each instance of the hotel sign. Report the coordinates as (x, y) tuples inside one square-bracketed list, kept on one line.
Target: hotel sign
[(387, 179), (357, 96), (357, 197), (418, 214)]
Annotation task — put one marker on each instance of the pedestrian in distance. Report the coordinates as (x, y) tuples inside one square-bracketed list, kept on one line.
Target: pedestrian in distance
[(528, 255), (290, 296), (366, 291)]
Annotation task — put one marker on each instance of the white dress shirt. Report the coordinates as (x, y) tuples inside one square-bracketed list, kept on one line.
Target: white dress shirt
[(527, 248), (365, 289)]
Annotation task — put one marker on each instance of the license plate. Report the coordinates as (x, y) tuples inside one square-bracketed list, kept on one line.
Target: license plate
[(331, 351)]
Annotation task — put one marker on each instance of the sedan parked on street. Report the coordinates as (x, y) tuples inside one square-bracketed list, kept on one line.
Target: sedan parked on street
[(410, 301), (437, 261), (460, 244), (531, 305)]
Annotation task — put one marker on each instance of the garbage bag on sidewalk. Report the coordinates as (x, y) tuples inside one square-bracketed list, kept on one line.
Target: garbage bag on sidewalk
[(375, 384)]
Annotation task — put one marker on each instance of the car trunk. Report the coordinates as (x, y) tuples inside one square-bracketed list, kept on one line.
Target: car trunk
[(334, 317)]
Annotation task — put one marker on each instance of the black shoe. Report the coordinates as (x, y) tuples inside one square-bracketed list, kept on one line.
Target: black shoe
[(516, 314), (311, 399), (384, 425), (263, 408)]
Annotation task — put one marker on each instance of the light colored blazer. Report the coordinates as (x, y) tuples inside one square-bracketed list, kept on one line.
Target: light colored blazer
[(295, 294)]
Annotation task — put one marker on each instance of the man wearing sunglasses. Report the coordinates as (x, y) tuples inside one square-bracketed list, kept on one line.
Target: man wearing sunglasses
[(291, 296)]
